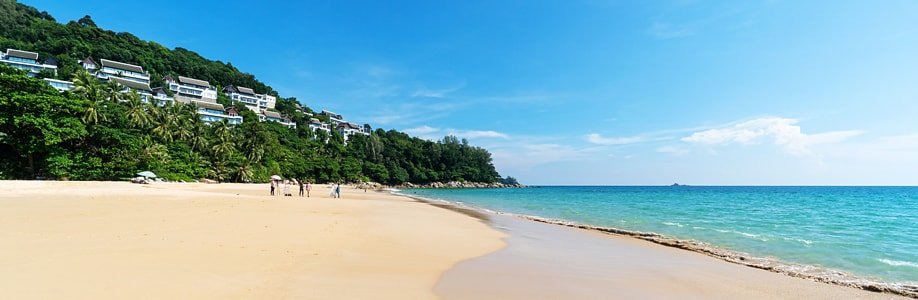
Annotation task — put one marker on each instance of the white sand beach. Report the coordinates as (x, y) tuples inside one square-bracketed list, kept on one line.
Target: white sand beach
[(113, 240)]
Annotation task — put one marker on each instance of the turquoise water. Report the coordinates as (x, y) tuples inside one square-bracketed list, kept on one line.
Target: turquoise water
[(871, 232)]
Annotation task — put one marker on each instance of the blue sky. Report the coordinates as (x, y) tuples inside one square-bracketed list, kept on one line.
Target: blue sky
[(587, 92)]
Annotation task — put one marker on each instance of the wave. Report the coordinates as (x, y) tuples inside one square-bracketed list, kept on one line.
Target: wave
[(751, 236), (806, 242), (673, 224), (898, 263)]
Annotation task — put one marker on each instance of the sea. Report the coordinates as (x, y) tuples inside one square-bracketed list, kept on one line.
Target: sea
[(867, 232)]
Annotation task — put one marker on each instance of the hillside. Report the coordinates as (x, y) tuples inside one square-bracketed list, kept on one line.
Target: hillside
[(97, 133), (24, 27)]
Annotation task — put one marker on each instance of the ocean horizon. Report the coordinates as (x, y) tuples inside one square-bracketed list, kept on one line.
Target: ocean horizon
[(862, 231)]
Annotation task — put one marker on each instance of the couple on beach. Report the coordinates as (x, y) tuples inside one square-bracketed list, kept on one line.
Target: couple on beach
[(304, 187), (335, 190)]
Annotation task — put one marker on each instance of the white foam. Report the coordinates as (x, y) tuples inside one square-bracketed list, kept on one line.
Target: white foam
[(898, 263), (672, 224), (751, 236), (804, 241)]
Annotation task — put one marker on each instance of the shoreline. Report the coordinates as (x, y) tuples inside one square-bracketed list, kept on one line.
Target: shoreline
[(193, 240), (791, 270)]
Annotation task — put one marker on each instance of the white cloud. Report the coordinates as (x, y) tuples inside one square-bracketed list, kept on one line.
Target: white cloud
[(781, 131), (598, 139), (433, 133), (435, 93), (677, 151), (666, 30), (520, 158), (410, 113), (421, 130), (472, 134)]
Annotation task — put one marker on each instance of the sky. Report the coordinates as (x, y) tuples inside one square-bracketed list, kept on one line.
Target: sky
[(587, 92)]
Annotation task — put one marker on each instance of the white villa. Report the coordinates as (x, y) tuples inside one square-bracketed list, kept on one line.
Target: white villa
[(60, 85), (199, 93), (110, 68), (348, 128), (335, 118), (189, 89), (247, 96), (27, 61), (143, 89), (161, 97), (338, 123), (274, 116), (317, 125), (214, 112)]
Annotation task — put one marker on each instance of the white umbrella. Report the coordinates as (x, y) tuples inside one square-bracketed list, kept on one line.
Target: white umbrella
[(276, 177), (147, 174)]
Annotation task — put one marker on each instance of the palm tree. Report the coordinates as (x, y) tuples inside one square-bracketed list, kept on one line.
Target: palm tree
[(152, 152), (165, 120), (185, 130), (136, 110), (88, 87), (91, 114), (198, 139), (244, 173), (224, 143), (112, 91), (253, 140)]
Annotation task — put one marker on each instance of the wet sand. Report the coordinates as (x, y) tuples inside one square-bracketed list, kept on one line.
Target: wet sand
[(546, 261)]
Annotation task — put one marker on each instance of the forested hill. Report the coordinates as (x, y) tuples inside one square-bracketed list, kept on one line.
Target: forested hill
[(95, 132), (26, 28)]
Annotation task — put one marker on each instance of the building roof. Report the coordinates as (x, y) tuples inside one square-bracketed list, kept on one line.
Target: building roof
[(208, 105), (273, 114), (51, 61), (22, 54), (332, 114), (132, 84), (188, 80), (88, 60), (348, 125), (230, 89), (159, 90), (245, 90), (168, 78), (232, 111), (121, 66)]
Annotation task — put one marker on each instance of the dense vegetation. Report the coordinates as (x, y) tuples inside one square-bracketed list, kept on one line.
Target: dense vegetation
[(97, 133)]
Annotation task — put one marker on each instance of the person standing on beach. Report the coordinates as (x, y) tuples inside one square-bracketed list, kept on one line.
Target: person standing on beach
[(308, 188), (272, 186), (301, 187), (338, 190), (331, 192)]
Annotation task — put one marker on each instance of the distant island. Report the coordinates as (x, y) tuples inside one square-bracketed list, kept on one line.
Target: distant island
[(78, 102)]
